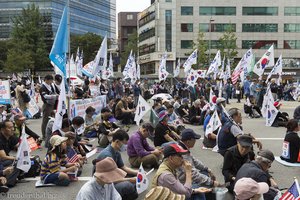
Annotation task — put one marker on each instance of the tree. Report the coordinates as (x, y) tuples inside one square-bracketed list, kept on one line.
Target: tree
[(3, 53), (89, 43), (228, 45), (202, 46), (131, 45), (28, 41)]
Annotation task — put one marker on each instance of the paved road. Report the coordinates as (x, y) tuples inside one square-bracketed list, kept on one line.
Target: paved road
[(271, 138)]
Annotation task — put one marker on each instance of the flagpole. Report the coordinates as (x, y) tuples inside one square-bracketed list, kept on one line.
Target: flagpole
[(69, 53), (297, 184)]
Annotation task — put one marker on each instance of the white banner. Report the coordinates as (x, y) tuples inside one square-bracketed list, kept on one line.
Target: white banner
[(78, 106), (4, 92), (32, 108)]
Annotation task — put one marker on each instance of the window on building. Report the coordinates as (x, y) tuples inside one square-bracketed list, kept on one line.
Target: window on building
[(168, 0), (148, 33), (292, 11), (258, 44), (187, 10), (186, 44), (204, 27), (291, 44), (291, 27), (148, 68), (168, 25), (217, 10), (260, 11), (187, 27), (130, 17), (260, 28), (146, 49)]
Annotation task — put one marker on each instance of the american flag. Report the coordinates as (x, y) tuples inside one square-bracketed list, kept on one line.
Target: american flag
[(72, 156), (292, 193)]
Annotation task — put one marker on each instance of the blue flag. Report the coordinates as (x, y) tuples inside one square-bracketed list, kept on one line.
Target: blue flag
[(60, 44)]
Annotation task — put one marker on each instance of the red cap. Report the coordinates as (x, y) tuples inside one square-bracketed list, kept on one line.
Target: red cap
[(277, 104)]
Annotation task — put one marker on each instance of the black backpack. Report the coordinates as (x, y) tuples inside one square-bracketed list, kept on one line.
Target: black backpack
[(35, 168), (25, 97)]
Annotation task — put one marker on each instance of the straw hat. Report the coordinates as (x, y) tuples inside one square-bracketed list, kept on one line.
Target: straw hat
[(163, 193), (56, 140)]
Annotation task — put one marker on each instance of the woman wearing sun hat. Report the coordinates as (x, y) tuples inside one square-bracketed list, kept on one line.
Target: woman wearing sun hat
[(51, 171)]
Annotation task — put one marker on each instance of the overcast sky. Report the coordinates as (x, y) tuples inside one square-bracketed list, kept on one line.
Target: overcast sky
[(132, 5)]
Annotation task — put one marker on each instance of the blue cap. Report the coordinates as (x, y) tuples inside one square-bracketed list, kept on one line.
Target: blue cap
[(188, 134)]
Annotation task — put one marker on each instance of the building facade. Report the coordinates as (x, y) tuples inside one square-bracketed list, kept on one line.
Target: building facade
[(127, 25), (173, 26), (95, 16)]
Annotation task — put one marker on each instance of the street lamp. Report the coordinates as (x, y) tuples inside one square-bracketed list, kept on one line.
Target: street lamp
[(209, 40)]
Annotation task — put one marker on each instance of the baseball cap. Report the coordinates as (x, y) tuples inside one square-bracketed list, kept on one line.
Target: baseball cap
[(277, 104), (188, 134), (245, 188), (173, 149), (245, 140), (266, 154), (220, 100)]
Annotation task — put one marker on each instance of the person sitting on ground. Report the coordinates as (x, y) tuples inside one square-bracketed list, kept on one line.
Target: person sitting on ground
[(195, 112), (4, 173), (249, 189), (177, 103), (101, 186), (201, 174), (183, 110), (51, 171), (281, 118), (90, 125), (123, 113), (209, 140), (19, 122), (106, 128), (48, 132), (166, 173), (73, 155), (231, 130), (296, 114), (126, 188), (77, 127), (258, 171), (234, 159), (251, 108), (163, 132), (139, 151), (291, 143)]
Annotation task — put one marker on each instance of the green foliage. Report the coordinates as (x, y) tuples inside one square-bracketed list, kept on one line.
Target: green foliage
[(228, 45), (131, 45), (3, 52), (202, 46), (89, 43), (27, 47)]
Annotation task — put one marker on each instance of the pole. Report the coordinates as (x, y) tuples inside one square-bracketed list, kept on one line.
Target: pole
[(209, 40), (69, 58)]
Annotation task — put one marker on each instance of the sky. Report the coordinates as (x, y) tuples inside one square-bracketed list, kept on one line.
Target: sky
[(132, 5)]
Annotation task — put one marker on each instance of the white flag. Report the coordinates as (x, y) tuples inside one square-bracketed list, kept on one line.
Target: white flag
[(244, 63), (192, 59), (162, 71), (271, 112), (177, 69), (211, 95), (40, 81), (23, 154), (79, 62), (128, 66), (61, 107), (213, 124), (141, 109), (267, 98), (132, 71), (142, 181), (214, 65), (227, 73), (138, 71), (32, 89), (192, 77), (267, 60), (201, 73), (277, 69), (222, 72)]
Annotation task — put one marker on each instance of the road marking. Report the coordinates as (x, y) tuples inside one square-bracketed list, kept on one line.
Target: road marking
[(270, 139), (84, 178)]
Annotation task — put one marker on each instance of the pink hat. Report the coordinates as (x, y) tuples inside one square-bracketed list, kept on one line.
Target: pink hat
[(245, 188)]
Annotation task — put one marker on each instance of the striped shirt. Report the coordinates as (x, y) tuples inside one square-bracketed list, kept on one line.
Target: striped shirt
[(51, 164)]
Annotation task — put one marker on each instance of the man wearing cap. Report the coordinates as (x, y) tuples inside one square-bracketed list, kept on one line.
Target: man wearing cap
[(166, 173), (139, 151), (247, 188), (231, 130), (235, 157), (126, 188), (201, 174), (183, 109), (101, 186), (163, 133), (258, 171), (19, 122)]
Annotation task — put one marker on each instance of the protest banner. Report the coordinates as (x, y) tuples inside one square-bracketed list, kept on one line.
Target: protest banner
[(4, 92), (32, 108), (78, 106)]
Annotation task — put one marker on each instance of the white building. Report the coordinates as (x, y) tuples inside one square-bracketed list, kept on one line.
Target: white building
[(173, 25)]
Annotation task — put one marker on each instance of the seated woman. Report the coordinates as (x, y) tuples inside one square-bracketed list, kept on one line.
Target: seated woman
[(90, 125), (251, 108), (291, 143), (282, 118), (51, 171)]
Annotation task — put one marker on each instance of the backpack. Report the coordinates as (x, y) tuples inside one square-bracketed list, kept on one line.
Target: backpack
[(25, 97), (35, 168)]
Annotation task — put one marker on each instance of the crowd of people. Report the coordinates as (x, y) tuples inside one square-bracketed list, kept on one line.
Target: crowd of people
[(179, 173)]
